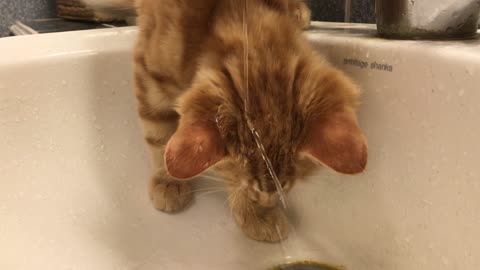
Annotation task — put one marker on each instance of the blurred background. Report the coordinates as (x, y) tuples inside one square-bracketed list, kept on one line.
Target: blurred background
[(28, 11)]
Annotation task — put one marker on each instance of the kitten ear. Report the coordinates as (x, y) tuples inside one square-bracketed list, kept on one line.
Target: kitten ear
[(193, 148), (337, 142)]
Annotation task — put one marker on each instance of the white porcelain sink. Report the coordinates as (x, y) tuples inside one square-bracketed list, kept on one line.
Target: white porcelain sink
[(74, 167)]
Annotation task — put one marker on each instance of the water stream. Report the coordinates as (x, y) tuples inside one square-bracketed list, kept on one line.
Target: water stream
[(255, 134)]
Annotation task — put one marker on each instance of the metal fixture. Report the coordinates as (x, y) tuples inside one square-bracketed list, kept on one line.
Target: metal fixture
[(430, 19)]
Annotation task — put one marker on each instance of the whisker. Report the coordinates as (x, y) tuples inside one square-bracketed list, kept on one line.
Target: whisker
[(232, 195), (204, 176), (216, 179), (209, 192), (233, 199), (207, 189)]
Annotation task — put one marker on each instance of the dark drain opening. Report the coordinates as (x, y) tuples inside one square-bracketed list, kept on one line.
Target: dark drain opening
[(304, 266)]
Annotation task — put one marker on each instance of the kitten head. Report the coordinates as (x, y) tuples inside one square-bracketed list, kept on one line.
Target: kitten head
[(302, 109)]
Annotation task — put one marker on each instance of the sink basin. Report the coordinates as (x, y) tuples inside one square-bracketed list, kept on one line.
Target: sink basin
[(74, 167)]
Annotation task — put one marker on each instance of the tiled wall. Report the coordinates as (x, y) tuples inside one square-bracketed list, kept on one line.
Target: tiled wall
[(11, 10)]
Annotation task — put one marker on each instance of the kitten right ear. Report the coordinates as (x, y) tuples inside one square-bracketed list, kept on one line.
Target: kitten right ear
[(195, 147), (337, 142)]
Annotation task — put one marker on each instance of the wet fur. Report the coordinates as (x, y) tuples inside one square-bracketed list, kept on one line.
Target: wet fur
[(189, 74)]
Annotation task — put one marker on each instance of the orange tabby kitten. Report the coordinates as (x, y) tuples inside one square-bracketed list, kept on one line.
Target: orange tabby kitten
[(190, 85)]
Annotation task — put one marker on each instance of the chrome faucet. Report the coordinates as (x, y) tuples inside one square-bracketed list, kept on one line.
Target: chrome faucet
[(431, 19)]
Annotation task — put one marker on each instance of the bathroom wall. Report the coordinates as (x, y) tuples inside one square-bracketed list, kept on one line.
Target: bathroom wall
[(330, 10), (334, 10), (11, 10)]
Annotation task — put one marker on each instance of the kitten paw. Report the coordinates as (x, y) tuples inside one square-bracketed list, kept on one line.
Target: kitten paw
[(170, 196), (270, 226)]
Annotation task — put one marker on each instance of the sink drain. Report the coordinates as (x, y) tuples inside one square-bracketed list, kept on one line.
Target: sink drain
[(304, 266)]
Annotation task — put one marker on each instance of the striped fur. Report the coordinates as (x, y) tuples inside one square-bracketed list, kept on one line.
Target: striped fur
[(189, 72)]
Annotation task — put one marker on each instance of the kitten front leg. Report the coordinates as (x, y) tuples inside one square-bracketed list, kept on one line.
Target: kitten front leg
[(167, 194), (257, 222)]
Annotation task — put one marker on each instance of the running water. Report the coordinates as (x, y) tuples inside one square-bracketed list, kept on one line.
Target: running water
[(255, 134), (348, 11)]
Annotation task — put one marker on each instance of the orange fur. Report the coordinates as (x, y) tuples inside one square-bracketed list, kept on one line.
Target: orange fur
[(189, 71)]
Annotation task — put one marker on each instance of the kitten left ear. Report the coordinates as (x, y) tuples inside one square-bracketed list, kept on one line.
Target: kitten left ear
[(194, 148), (337, 142)]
